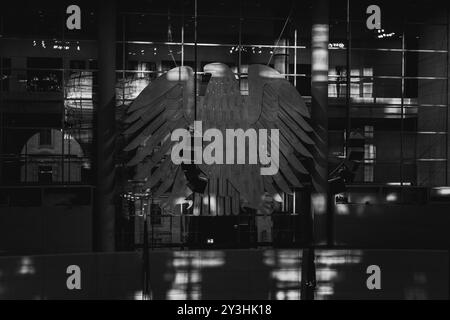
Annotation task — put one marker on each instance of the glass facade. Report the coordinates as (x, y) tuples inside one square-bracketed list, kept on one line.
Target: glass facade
[(398, 89), (391, 85), (48, 90)]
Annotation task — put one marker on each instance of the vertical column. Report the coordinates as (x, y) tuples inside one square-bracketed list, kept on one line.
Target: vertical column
[(319, 117), (319, 108), (104, 213), (1, 109), (447, 177), (280, 56)]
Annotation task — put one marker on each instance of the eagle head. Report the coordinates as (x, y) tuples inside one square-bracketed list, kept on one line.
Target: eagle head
[(218, 70)]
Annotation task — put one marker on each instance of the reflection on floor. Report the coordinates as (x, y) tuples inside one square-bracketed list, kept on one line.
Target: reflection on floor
[(405, 274), (276, 274), (327, 263), (229, 274)]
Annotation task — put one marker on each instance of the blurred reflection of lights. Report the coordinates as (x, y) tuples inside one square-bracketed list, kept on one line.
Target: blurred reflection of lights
[(442, 191), (319, 61), (269, 258), (212, 254), (398, 183), (324, 290), (177, 294), (280, 295), (284, 258), (391, 197), (288, 295), (286, 286), (188, 267), (386, 101), (26, 266), (212, 204), (415, 294), (417, 290), (286, 272), (342, 209), (185, 278), (212, 263), (184, 259), (326, 274), (333, 257), (138, 295), (327, 262), (319, 203), (285, 275), (293, 295), (391, 110)]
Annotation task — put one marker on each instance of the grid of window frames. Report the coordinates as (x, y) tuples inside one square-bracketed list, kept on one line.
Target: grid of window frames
[(397, 79), (390, 84), (398, 90), (47, 94), (163, 35)]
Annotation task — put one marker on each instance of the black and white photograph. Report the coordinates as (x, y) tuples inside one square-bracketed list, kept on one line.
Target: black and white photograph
[(224, 154)]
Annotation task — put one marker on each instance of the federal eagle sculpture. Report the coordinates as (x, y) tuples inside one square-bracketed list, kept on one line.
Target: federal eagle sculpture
[(168, 104)]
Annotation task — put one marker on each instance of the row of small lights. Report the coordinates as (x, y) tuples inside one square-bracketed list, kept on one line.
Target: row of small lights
[(336, 45), (142, 52), (134, 196), (382, 34), (57, 45), (255, 50)]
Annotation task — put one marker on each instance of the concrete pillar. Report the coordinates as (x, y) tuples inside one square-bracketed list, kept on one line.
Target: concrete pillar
[(104, 213), (447, 177), (319, 110)]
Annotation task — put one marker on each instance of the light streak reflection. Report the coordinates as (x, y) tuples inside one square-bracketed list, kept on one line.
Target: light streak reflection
[(327, 264), (188, 266)]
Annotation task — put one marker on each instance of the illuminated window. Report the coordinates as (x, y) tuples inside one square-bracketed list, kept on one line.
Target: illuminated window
[(369, 154), (359, 87), (367, 89)]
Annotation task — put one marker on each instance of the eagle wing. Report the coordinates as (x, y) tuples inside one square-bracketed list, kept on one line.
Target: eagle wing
[(273, 103), (163, 106)]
